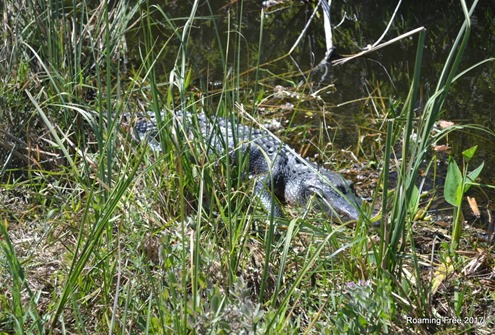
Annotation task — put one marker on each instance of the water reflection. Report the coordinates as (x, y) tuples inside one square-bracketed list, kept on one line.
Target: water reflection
[(359, 24)]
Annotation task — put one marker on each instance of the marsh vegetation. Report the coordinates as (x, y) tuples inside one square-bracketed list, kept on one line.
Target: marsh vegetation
[(101, 235)]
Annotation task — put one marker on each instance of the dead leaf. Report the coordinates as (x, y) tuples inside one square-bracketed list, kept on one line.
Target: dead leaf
[(474, 206), (476, 264), (441, 148), (441, 273), (445, 124)]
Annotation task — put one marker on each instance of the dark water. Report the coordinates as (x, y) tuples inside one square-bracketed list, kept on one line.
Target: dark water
[(389, 69)]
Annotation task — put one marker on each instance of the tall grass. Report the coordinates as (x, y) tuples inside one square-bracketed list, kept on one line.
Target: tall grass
[(415, 136), (71, 52), (175, 242)]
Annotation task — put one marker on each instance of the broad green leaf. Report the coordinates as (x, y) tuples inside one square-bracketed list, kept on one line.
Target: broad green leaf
[(471, 177), (215, 303), (469, 153), (414, 201), (261, 95), (453, 184)]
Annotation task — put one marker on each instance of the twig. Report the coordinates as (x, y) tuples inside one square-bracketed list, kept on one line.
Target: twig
[(305, 28), (374, 48), (328, 28), (389, 24)]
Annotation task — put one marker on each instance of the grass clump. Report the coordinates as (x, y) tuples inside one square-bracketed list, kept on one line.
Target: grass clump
[(99, 234)]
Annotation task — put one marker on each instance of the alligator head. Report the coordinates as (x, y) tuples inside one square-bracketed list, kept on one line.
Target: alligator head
[(332, 193)]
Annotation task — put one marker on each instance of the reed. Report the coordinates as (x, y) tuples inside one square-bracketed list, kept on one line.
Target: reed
[(101, 235)]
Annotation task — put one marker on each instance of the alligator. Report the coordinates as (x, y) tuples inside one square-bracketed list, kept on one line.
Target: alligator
[(282, 175)]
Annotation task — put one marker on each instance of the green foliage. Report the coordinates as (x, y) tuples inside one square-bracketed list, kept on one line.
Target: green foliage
[(414, 137), (236, 313), (362, 309), (100, 235), (453, 184), (457, 183)]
